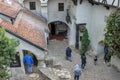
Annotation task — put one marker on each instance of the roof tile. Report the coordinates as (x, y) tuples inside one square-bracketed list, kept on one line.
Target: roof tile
[(31, 34), (9, 9)]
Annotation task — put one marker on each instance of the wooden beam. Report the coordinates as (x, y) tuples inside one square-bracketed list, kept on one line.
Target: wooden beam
[(118, 2), (113, 2), (108, 5)]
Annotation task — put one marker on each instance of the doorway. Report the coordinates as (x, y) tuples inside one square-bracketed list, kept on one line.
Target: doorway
[(58, 30), (79, 34), (34, 60)]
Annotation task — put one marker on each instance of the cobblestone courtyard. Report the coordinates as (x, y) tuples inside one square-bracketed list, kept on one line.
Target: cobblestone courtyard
[(99, 72), (56, 51)]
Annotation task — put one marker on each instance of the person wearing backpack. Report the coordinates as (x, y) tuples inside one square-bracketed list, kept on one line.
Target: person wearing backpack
[(77, 72)]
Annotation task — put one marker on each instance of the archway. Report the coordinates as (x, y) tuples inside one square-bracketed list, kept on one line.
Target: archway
[(34, 59), (58, 30)]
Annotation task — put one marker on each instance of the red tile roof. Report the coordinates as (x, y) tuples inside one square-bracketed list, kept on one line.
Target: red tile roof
[(26, 25), (26, 31), (10, 9)]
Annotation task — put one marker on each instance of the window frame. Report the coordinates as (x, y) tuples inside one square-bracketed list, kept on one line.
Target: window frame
[(60, 6), (32, 5)]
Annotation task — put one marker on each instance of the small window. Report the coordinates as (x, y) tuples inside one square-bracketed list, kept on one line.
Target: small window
[(32, 6), (16, 62), (60, 6)]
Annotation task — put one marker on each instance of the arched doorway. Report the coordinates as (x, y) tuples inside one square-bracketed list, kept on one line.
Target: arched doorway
[(34, 60), (58, 30)]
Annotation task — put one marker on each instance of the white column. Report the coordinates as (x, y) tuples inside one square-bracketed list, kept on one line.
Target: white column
[(44, 8), (72, 34)]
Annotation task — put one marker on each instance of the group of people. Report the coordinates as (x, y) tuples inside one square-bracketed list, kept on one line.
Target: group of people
[(77, 68), (28, 61)]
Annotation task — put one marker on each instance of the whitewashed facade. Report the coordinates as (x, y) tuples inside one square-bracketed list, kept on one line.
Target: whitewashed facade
[(93, 16), (39, 54)]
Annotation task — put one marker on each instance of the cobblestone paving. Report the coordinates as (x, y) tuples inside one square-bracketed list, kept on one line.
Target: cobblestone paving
[(99, 72)]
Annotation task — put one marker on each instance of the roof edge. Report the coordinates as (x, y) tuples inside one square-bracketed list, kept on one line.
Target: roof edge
[(25, 40), (7, 15)]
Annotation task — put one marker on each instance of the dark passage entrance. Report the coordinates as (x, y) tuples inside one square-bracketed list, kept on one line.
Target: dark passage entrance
[(34, 59), (58, 30), (52, 29), (79, 34)]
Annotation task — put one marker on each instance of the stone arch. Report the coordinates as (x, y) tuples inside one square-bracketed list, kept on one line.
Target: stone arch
[(33, 56), (34, 60), (58, 30)]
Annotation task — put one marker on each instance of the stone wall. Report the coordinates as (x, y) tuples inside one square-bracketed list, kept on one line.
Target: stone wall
[(115, 62)]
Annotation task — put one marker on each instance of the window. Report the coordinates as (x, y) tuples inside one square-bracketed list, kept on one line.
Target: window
[(32, 5), (16, 62), (60, 6)]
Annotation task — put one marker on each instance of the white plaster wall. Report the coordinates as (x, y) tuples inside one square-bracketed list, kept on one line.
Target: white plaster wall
[(44, 11), (72, 34), (94, 16), (25, 46), (98, 23), (53, 13), (38, 7), (83, 15)]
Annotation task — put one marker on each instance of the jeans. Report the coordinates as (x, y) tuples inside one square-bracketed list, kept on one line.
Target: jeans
[(29, 69), (69, 58), (83, 65), (76, 77), (94, 62)]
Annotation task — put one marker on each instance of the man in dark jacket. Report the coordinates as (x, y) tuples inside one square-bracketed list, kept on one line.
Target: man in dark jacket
[(28, 61), (68, 53), (106, 52), (83, 60)]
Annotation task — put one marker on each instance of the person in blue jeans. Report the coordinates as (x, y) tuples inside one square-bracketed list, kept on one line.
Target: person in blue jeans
[(77, 72), (28, 61)]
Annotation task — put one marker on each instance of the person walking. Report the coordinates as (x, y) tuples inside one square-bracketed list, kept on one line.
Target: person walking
[(83, 60), (77, 72), (95, 60), (106, 52), (68, 53), (28, 61)]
